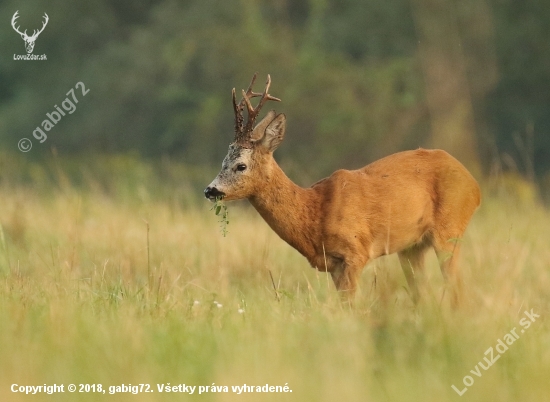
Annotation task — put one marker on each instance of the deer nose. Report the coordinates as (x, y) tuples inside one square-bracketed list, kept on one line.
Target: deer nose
[(212, 193)]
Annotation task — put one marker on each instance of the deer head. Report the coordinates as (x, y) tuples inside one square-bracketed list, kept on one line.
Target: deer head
[(29, 40), (250, 157)]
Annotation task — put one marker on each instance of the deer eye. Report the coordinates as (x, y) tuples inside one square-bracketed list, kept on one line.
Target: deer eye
[(241, 167)]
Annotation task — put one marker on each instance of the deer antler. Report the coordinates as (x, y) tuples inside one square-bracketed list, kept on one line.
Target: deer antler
[(242, 132), (238, 108), (46, 19), (35, 32), (15, 16)]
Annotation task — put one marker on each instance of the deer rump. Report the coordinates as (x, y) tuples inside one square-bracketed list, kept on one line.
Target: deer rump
[(405, 200)]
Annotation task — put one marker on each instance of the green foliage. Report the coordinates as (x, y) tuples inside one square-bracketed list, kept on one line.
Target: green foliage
[(220, 209), (522, 97), (160, 74), (160, 81)]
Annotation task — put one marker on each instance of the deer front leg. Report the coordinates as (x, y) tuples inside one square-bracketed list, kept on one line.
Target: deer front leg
[(345, 276)]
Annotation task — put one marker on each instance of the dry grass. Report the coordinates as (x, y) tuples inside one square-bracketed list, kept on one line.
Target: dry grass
[(84, 300)]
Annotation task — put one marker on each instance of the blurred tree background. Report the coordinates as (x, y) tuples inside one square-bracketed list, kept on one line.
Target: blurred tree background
[(358, 79)]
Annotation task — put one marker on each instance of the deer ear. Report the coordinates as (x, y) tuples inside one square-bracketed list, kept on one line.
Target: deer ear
[(259, 130), (274, 133)]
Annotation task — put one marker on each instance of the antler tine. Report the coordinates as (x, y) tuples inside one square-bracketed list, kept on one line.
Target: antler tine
[(249, 90), (13, 22), (37, 32), (15, 16), (238, 114), (242, 132), (253, 112), (238, 108), (249, 107), (46, 19), (266, 96), (249, 93)]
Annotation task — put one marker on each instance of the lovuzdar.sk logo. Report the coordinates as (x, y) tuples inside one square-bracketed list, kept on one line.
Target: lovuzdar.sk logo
[(29, 40)]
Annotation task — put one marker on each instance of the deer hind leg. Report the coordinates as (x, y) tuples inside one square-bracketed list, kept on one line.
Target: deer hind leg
[(412, 263), (447, 250)]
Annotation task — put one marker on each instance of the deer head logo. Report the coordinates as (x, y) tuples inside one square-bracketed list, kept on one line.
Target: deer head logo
[(29, 40)]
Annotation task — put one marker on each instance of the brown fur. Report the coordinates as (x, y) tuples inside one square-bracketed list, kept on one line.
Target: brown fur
[(403, 203)]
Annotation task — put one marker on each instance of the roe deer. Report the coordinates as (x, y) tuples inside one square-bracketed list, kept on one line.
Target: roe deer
[(403, 203)]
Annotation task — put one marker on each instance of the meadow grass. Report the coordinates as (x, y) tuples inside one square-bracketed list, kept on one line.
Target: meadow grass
[(96, 289)]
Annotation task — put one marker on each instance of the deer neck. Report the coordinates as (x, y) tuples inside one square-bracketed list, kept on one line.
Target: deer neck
[(289, 210)]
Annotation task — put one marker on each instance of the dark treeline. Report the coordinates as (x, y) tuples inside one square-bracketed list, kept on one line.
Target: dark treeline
[(358, 79)]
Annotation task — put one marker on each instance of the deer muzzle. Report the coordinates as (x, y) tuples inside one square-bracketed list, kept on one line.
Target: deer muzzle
[(212, 193)]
